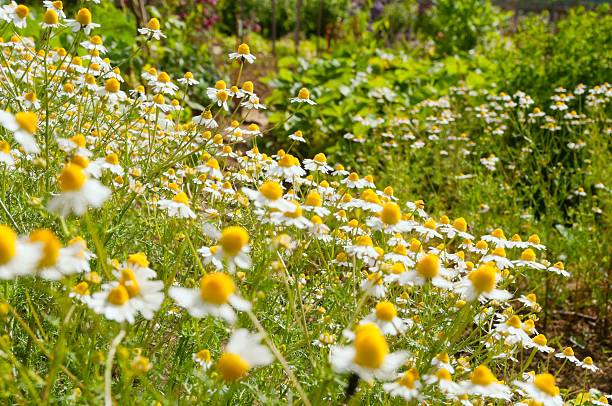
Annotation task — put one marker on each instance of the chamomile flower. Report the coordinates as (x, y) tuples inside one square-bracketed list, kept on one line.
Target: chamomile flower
[(243, 52), (408, 386), (385, 317), (542, 390), (77, 192), (188, 80), (5, 154), (17, 257), (482, 382), (302, 97), (368, 355), (203, 359), (152, 29), (480, 284), (270, 194), (132, 294), (568, 354), (178, 206), (216, 297), (23, 126), (242, 352), (82, 22)]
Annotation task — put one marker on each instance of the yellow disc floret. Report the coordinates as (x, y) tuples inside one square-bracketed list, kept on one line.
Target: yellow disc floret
[(371, 348), (216, 288)]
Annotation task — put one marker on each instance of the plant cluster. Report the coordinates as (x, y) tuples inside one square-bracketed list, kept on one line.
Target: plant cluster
[(148, 256)]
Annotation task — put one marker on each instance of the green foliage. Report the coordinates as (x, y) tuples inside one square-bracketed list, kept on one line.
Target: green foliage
[(260, 12), (460, 25), (345, 84), (543, 55)]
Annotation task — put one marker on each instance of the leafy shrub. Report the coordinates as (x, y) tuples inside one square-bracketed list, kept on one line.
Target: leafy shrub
[(543, 55)]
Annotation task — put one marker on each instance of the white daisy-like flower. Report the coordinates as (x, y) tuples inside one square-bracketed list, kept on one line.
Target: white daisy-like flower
[(152, 29), (78, 192), (134, 293), (384, 315), (17, 257), (216, 297), (178, 206), (242, 352), (480, 284), (23, 126), (303, 97), (542, 390), (368, 355), (243, 52), (82, 22), (270, 194), (408, 386), (482, 382)]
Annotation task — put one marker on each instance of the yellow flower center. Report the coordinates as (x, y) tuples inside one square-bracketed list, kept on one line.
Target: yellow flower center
[(58, 5), (271, 190), (72, 178), (50, 17), (220, 85), (51, 247), (313, 199), (232, 367), (460, 224), (112, 85), (304, 94), (81, 288), (386, 311), (22, 11), (96, 40), (248, 86), (8, 238), (568, 352), (320, 157), (390, 213), (112, 159), (27, 120), (364, 240), (297, 213), (83, 17), (500, 252), (540, 340), (528, 255), (216, 288), (482, 376), (588, 361), (203, 355), (428, 266), (546, 383), (514, 321), (233, 239), (498, 233), (431, 224), (222, 95), (163, 78), (181, 198), (531, 297), (153, 24), (118, 295), (129, 281), (483, 278), (5, 147), (370, 346), (443, 374), (534, 239), (408, 379), (286, 161), (243, 49)]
